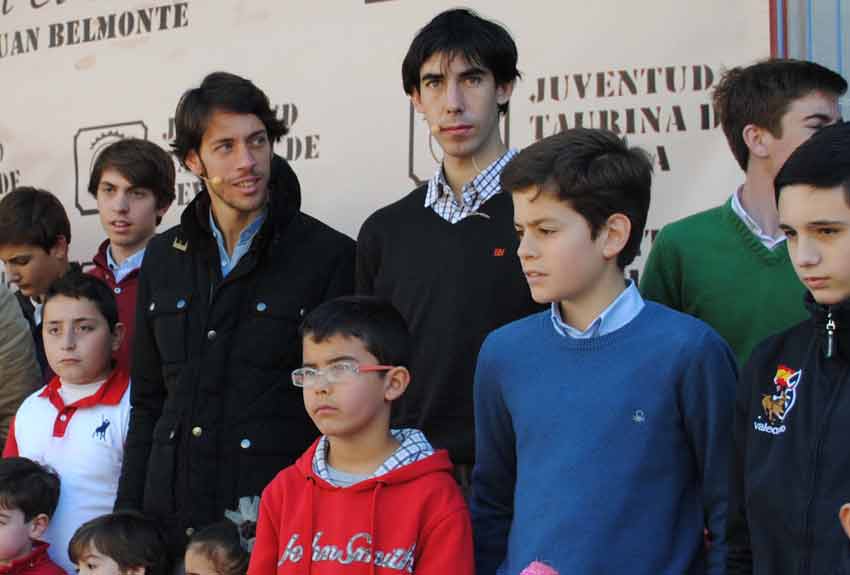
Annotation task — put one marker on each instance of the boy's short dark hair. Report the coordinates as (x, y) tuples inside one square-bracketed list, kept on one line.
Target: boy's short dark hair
[(762, 93), (372, 320), (225, 92), (595, 172), (220, 544), (127, 537), (462, 32), (32, 216), (78, 285), (822, 161), (142, 163), (28, 486)]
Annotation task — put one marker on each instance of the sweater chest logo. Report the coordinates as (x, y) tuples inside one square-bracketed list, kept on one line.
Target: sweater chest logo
[(777, 406), (358, 549), (100, 430)]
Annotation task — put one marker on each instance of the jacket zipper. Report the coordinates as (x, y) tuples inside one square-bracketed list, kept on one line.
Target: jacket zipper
[(830, 336)]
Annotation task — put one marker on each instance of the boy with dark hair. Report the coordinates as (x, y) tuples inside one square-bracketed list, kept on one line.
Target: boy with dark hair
[(605, 417), (133, 183), (444, 254), (28, 496), (120, 543), (699, 264), (791, 422), (377, 499), (34, 237), (219, 301), (78, 422)]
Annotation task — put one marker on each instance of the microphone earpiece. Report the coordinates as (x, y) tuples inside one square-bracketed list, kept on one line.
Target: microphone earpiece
[(212, 182), (435, 129)]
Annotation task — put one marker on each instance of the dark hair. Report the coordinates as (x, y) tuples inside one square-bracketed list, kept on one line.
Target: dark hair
[(595, 172), (221, 545), (78, 285), (32, 216), (127, 537), (142, 163), (822, 161), (28, 486), (225, 92), (762, 93), (462, 32), (372, 320)]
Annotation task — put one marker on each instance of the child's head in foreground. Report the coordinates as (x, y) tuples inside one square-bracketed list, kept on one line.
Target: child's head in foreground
[(813, 197), (29, 493), (216, 550), (120, 543), (580, 203), (80, 328), (34, 236), (355, 350)]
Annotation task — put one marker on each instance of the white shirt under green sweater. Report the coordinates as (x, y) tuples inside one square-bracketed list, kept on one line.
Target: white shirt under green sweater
[(711, 266)]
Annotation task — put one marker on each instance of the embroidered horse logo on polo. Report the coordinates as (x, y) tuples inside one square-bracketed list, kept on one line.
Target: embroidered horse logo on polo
[(100, 430), (777, 406)]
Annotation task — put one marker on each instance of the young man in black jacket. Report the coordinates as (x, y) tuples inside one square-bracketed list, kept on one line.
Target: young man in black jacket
[(791, 468), (219, 302), (445, 254)]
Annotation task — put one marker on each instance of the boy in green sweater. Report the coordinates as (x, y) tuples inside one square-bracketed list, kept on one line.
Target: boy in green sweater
[(729, 265)]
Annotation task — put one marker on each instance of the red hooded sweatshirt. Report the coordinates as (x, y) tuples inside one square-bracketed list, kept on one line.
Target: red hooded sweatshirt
[(410, 520)]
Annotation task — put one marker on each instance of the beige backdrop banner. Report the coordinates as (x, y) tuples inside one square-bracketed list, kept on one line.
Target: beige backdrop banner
[(78, 74)]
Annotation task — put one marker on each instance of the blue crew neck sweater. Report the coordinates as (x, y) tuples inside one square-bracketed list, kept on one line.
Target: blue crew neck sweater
[(603, 455)]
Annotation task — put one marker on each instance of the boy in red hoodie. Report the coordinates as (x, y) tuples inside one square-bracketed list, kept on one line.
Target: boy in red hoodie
[(364, 498), (28, 497)]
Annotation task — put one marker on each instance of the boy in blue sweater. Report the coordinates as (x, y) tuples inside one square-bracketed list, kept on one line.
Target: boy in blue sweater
[(602, 424)]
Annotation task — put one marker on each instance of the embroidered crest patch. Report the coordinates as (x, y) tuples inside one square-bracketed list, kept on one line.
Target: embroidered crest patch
[(776, 406)]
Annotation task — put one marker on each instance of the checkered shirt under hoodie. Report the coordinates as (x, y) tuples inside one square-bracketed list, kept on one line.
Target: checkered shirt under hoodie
[(413, 447), (484, 186)]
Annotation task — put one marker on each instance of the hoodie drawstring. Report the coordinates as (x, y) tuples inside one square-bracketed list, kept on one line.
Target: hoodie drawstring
[(373, 505), (308, 543)]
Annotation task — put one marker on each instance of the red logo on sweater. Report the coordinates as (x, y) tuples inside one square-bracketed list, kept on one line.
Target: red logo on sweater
[(498, 252)]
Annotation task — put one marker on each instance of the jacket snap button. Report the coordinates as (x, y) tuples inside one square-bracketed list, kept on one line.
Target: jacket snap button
[(189, 531), (197, 431), (261, 306), (171, 435), (117, 290), (181, 303), (152, 306), (211, 334), (245, 443)]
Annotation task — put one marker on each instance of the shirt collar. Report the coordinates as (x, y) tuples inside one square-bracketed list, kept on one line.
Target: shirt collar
[(110, 393), (620, 312), (485, 185), (768, 241), (246, 236), (119, 271)]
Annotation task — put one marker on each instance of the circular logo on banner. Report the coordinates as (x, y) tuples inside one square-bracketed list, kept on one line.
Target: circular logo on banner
[(88, 144)]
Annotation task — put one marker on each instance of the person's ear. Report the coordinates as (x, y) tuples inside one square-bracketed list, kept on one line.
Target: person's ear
[(38, 525), (193, 162), (844, 518), (615, 235), (504, 91), (756, 139), (416, 100), (396, 382), (118, 332), (59, 249)]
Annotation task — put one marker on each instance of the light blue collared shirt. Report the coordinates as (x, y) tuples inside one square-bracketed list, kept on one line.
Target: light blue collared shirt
[(621, 311), (246, 236), (122, 270)]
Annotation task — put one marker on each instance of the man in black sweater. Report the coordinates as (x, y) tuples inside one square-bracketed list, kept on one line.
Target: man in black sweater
[(445, 254)]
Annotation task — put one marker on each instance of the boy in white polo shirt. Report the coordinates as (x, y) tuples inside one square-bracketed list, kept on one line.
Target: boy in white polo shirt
[(77, 423)]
